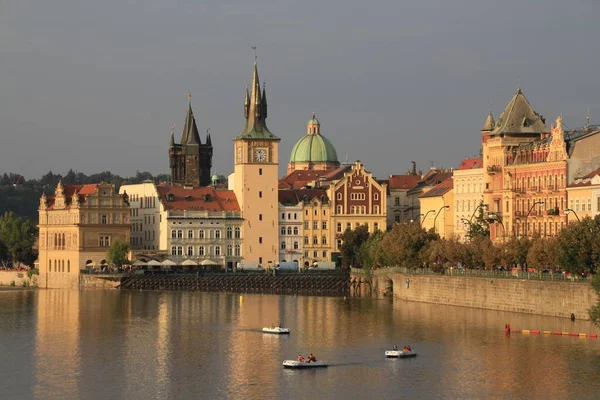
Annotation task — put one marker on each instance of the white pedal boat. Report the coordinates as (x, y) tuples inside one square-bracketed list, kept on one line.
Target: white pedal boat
[(399, 354), (302, 364), (277, 330)]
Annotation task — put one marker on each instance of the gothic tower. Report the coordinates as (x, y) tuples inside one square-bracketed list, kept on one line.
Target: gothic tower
[(190, 160), (255, 179)]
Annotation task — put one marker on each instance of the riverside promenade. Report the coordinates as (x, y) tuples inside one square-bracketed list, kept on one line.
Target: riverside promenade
[(533, 293)]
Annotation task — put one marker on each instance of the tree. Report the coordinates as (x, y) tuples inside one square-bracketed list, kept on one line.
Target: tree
[(594, 312), (578, 246), (479, 228), (352, 241), (117, 253), (541, 254), (371, 252), (514, 252), (18, 237), (406, 245)]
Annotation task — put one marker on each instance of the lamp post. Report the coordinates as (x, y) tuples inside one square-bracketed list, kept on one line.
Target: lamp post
[(470, 221), (425, 216), (497, 218), (570, 210), (529, 212), (418, 218), (438, 213)]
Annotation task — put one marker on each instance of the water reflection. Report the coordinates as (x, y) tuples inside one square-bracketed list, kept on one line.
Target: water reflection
[(108, 344)]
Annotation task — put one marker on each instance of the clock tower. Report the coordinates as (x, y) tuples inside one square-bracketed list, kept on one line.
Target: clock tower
[(256, 152)]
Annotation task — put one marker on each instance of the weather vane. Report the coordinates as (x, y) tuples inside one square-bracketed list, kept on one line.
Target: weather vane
[(255, 56)]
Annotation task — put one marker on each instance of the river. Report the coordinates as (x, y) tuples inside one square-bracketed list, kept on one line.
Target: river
[(101, 344)]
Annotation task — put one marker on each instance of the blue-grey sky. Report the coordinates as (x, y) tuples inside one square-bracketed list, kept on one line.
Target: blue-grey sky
[(96, 85)]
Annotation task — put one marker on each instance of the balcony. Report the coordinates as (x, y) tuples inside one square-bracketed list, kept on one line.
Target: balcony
[(518, 213), (553, 211), (492, 169)]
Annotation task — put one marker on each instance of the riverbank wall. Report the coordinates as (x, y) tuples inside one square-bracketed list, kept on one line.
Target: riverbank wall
[(556, 299), (17, 278)]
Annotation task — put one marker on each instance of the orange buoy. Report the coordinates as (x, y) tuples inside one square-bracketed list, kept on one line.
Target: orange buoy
[(593, 335), (536, 332)]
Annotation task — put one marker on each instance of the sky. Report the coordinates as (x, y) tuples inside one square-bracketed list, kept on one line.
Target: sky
[(96, 85)]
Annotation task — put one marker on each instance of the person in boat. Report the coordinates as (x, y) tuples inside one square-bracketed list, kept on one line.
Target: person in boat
[(311, 358), (272, 326), (395, 348), (406, 349), (300, 358)]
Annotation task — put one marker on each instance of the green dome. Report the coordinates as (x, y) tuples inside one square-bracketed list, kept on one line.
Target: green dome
[(314, 121), (313, 148)]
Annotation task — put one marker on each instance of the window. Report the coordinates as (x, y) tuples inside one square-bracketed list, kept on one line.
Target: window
[(173, 233), (397, 200), (324, 239), (229, 233), (217, 250), (237, 232), (260, 171), (348, 225), (283, 230), (296, 245), (339, 243), (179, 250), (237, 250), (324, 254), (306, 254), (324, 225), (190, 251), (315, 254), (104, 219), (315, 224), (589, 204), (218, 234), (260, 195), (376, 226), (201, 251), (173, 250), (289, 216), (376, 196), (260, 217), (190, 234), (179, 234), (339, 196), (104, 241), (116, 218), (282, 215), (260, 239), (260, 260), (339, 227), (201, 234), (229, 250), (282, 245), (305, 239), (294, 215), (305, 224), (289, 230), (397, 218), (375, 209), (315, 240), (296, 230)]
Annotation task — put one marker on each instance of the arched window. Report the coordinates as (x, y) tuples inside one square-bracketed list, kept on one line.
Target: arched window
[(180, 234), (376, 196), (173, 250), (339, 196), (201, 234), (179, 250), (296, 245), (237, 250), (282, 245), (283, 230), (237, 232), (289, 230), (217, 250), (229, 233), (218, 234), (324, 239), (190, 251), (190, 234), (295, 230), (201, 250), (229, 250)]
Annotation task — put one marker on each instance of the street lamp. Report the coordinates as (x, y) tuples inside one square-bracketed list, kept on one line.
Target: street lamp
[(482, 206), (438, 213), (529, 212), (418, 218), (425, 216), (496, 218), (570, 210)]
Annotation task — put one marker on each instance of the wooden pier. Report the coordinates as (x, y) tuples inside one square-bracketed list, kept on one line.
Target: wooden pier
[(321, 284)]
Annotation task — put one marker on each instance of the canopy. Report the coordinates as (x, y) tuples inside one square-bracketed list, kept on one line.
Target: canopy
[(139, 263), (208, 262), (189, 262), (168, 262), (154, 263)]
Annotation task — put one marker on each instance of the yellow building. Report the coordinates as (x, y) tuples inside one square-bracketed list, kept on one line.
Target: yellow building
[(76, 228), (255, 179), (436, 203), (584, 197), (316, 217)]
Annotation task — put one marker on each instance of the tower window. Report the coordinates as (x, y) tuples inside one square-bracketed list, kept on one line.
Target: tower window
[(260, 217), (260, 171), (260, 239), (260, 195)]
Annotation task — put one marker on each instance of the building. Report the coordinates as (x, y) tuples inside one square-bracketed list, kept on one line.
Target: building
[(313, 151), (584, 197), (398, 205), (439, 200), (317, 231), (255, 179), (145, 210), (201, 224), (468, 195), (190, 160), (432, 178), (77, 226), (290, 227)]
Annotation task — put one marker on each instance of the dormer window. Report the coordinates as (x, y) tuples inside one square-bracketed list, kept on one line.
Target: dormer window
[(170, 197), (189, 198), (207, 198)]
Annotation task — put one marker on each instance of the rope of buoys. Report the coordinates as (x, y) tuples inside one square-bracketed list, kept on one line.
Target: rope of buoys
[(508, 331)]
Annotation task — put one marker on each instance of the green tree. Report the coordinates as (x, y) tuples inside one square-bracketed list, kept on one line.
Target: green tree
[(352, 240), (18, 237), (371, 252), (117, 253), (480, 227), (541, 254), (406, 245), (578, 246), (514, 252)]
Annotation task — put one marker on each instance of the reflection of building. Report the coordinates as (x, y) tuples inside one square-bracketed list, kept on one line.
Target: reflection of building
[(190, 160), (76, 228), (439, 199), (313, 151), (255, 179), (468, 195), (201, 224)]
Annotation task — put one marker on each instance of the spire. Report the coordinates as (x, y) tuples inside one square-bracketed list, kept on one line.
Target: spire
[(208, 139), (264, 101), (489, 123), (172, 143), (255, 98), (190, 130), (246, 103)]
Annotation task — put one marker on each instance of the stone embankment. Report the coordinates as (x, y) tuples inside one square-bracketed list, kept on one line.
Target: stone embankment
[(549, 298), (17, 278)]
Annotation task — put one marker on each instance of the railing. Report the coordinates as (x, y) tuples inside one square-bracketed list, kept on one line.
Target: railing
[(477, 273)]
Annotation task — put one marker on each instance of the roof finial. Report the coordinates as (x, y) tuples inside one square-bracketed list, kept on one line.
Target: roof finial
[(489, 107), (172, 128), (518, 85), (189, 97), (255, 56), (313, 115), (587, 118)]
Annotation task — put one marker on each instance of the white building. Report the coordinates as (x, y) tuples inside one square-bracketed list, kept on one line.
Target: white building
[(468, 195), (290, 227), (145, 216)]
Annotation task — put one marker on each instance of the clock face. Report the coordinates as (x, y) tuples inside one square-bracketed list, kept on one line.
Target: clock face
[(260, 155)]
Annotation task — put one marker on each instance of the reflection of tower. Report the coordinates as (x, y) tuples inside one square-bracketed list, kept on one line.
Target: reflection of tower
[(57, 342), (256, 178), (190, 160)]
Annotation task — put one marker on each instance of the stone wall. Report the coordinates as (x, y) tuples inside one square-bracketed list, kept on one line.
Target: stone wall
[(18, 277), (79, 281), (556, 299), (99, 281)]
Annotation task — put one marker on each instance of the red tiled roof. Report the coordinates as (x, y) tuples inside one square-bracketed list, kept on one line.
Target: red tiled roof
[(299, 178), (69, 190), (295, 196), (403, 181), (197, 199), (470, 163), (440, 189)]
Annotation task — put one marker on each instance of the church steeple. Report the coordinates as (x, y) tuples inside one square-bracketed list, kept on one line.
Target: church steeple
[(246, 103), (190, 130)]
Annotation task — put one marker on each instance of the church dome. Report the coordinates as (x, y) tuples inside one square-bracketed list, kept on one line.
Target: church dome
[(313, 147)]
